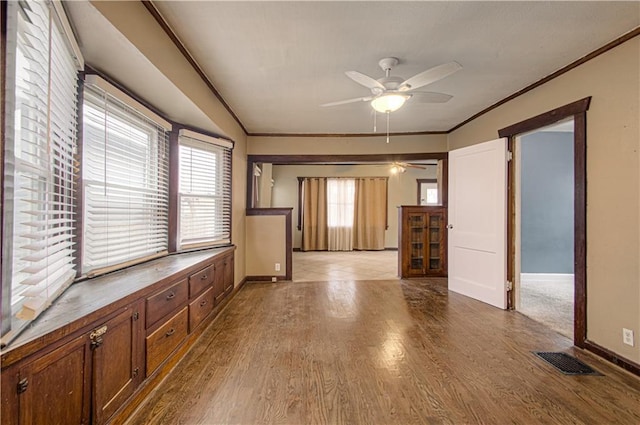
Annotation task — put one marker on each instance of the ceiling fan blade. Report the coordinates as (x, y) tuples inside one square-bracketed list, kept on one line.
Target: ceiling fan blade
[(408, 165), (429, 97), (364, 80), (416, 166), (430, 76), (344, 102)]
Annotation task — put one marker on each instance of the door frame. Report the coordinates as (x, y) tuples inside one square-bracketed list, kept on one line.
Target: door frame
[(578, 111)]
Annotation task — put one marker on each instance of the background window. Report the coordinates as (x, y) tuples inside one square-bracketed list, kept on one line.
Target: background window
[(125, 174), (341, 195), (428, 192), (204, 191)]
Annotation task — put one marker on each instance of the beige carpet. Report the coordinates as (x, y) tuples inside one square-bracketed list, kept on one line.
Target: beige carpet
[(550, 303)]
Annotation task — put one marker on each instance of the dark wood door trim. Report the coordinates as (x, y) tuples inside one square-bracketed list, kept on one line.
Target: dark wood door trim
[(547, 118), (578, 111)]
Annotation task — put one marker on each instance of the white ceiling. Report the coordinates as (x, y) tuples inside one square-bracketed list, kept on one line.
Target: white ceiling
[(274, 63)]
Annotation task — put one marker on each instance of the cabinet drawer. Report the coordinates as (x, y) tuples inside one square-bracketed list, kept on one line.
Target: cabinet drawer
[(163, 303), (200, 308), (199, 281), (165, 339)]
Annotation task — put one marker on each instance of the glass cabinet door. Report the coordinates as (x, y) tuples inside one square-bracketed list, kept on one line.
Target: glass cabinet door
[(417, 228), (435, 241)]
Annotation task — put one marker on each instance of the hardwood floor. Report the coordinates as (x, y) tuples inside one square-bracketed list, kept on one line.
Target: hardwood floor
[(381, 352)]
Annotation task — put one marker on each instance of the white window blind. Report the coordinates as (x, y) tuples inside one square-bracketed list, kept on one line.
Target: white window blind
[(40, 167), (204, 191), (125, 182)]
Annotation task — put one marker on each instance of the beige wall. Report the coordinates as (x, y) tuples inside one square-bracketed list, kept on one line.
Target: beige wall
[(136, 24), (266, 245), (403, 189), (613, 185), (346, 145)]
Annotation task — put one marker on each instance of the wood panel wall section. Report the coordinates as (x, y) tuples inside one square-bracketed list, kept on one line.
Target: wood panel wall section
[(287, 213), (110, 340)]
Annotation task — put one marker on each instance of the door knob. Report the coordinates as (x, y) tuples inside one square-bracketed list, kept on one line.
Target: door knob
[(450, 226)]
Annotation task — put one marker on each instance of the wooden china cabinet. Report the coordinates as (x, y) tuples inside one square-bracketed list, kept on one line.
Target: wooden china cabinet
[(422, 244)]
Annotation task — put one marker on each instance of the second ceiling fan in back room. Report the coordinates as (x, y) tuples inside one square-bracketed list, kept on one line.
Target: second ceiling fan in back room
[(400, 167), (389, 93)]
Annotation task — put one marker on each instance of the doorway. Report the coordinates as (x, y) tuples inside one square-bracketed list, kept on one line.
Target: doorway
[(577, 111), (544, 226), (273, 183)]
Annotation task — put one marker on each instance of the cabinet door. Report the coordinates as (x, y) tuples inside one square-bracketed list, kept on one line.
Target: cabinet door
[(228, 275), (53, 389), (118, 360), (416, 248), (435, 239), (218, 281)]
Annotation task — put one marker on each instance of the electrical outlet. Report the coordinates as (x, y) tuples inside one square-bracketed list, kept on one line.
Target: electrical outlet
[(277, 267), (274, 279), (627, 336)]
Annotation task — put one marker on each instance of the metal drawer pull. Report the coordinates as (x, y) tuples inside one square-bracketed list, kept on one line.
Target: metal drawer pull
[(203, 277), (171, 295), (170, 332), (203, 303), (22, 385)]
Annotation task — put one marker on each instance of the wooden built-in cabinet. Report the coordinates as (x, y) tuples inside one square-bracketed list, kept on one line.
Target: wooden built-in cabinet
[(90, 364), (422, 244)]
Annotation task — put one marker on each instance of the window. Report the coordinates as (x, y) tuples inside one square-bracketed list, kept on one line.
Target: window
[(40, 172), (341, 195), (428, 192), (204, 191), (125, 174)]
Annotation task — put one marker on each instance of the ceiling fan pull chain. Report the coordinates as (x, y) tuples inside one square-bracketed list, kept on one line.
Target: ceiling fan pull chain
[(387, 126), (375, 127)]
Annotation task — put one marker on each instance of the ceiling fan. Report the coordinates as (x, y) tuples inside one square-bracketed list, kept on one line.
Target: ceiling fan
[(401, 167), (389, 93)]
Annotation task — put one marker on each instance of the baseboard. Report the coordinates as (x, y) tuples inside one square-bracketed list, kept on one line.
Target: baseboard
[(265, 278), (385, 249), (241, 284), (560, 278), (614, 358)]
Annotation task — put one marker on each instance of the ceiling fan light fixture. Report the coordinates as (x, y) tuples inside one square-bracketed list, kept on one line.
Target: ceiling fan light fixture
[(397, 169), (389, 102)]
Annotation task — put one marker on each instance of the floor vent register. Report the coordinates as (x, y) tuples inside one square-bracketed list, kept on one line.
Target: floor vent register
[(566, 364)]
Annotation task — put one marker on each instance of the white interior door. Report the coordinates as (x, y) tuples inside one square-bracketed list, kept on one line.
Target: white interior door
[(478, 222)]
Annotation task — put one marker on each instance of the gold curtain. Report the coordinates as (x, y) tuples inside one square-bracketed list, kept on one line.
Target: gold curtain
[(314, 214), (370, 219)]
